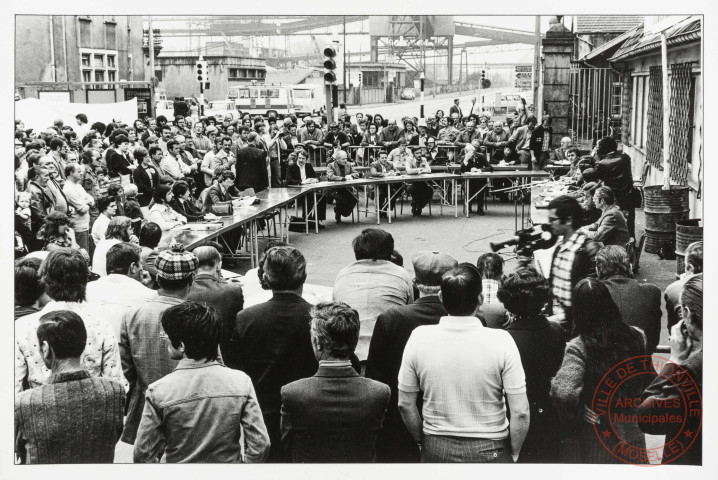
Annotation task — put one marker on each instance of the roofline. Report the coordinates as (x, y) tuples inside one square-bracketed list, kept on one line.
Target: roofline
[(677, 40), (611, 43)]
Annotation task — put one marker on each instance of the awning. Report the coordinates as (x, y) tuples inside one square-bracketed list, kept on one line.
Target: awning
[(686, 31)]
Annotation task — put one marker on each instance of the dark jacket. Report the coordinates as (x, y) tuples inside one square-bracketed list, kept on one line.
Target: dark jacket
[(541, 345), (41, 203), (187, 209), (251, 169), (215, 196), (334, 416), (334, 173), (141, 178), (271, 343), (640, 306), (536, 143), (226, 297), (389, 139), (391, 332), (456, 109), (674, 388), (72, 418), (615, 172), (294, 177), (118, 164)]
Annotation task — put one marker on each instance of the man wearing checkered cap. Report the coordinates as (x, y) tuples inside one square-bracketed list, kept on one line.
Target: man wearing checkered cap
[(143, 343)]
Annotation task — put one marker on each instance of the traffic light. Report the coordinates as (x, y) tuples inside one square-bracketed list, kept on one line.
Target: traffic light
[(485, 82), (201, 68), (483, 75), (330, 64), (360, 79)]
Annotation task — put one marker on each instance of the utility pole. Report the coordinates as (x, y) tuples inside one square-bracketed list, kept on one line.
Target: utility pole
[(344, 62), (537, 61), (151, 50)]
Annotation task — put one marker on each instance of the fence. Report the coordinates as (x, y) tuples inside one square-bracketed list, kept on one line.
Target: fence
[(595, 105)]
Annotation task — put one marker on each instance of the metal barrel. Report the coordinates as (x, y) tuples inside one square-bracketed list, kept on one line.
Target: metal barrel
[(663, 208), (687, 232)]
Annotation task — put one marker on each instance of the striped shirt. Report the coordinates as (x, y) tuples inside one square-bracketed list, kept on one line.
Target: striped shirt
[(561, 285), (489, 288)]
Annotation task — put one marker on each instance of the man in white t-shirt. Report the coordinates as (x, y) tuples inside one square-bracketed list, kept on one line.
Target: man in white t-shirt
[(464, 370)]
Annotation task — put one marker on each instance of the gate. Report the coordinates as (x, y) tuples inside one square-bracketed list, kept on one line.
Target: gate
[(594, 105)]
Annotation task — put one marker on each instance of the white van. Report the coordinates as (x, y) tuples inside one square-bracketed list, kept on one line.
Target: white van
[(260, 99), (308, 99)]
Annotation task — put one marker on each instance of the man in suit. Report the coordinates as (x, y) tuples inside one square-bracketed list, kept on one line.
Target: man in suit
[(391, 332), (611, 228), (270, 341), (41, 203), (338, 171), (146, 176), (302, 173), (211, 289), (143, 343), (639, 303), (223, 191), (336, 415), (251, 166), (455, 108), (693, 266), (520, 141), (383, 167)]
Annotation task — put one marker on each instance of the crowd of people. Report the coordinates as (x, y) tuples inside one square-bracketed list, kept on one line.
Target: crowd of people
[(116, 339)]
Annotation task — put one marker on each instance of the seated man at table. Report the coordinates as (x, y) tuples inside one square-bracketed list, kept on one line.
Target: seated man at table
[(222, 192), (380, 169), (474, 161), (559, 154), (495, 142), (420, 192), (337, 171), (302, 173)]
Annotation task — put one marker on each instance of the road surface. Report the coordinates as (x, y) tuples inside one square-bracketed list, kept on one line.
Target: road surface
[(411, 108)]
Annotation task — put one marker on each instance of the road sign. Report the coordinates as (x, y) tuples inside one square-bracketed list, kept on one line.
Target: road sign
[(524, 68)]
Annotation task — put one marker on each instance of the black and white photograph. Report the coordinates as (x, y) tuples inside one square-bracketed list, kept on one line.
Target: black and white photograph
[(317, 238)]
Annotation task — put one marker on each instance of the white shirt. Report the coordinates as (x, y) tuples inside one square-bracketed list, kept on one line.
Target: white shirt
[(173, 167), (99, 258), (115, 294), (78, 198), (100, 227), (463, 370), (302, 172)]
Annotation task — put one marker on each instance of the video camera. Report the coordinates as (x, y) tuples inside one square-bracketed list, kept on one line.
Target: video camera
[(528, 240)]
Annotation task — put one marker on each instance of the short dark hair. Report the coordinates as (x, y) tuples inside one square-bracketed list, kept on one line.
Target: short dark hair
[(64, 331), (196, 326), (27, 282), (179, 188), (460, 290), (164, 127), (284, 268), (104, 202), (171, 144), (150, 235), (121, 256), (81, 117), (694, 256), (531, 119), (140, 153), (573, 150), (99, 127), (692, 298), (335, 326), (606, 145), (153, 149), (590, 175), (56, 143), (166, 180), (491, 266), (64, 273), (524, 292), (160, 192), (226, 174), (567, 207), (119, 139), (174, 285), (373, 244)]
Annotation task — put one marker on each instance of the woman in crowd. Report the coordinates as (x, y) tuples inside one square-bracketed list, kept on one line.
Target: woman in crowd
[(161, 213), (602, 341), (439, 115), (182, 202), (541, 344), (119, 161), (379, 122), (29, 293), (56, 233), (132, 208)]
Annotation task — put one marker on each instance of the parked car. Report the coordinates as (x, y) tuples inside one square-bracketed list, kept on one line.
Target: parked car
[(407, 94), (221, 109)]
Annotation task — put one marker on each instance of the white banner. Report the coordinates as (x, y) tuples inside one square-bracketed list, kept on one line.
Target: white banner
[(40, 114)]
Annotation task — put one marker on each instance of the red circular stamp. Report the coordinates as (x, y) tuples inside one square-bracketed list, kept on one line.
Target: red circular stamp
[(647, 394)]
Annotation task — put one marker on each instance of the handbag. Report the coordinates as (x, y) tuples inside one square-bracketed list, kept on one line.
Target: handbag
[(222, 209)]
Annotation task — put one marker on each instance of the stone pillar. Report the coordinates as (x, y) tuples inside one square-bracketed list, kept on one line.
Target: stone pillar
[(557, 49), (374, 49)]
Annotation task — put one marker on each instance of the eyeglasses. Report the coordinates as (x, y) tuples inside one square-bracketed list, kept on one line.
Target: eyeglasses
[(553, 219)]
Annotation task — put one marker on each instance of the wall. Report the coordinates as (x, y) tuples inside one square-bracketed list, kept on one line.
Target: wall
[(33, 58), (689, 53)]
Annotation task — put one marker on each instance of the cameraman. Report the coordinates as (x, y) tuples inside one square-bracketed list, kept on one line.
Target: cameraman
[(573, 259)]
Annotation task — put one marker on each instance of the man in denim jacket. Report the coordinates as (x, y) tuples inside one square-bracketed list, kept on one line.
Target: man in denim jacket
[(198, 412)]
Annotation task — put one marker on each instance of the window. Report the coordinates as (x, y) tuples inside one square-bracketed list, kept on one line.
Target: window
[(639, 114), (243, 92), (85, 32), (98, 65)]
